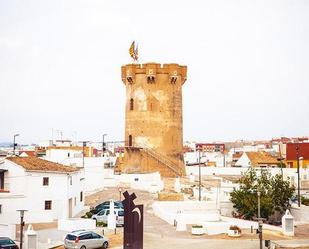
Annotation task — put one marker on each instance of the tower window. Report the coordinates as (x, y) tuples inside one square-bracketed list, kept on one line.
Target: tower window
[(45, 181), (131, 104), (48, 205), (150, 79), (130, 140)]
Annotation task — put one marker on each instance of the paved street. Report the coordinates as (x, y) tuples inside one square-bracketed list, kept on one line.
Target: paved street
[(159, 234)]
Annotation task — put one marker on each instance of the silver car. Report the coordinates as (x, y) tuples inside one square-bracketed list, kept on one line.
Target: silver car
[(83, 239), (103, 214)]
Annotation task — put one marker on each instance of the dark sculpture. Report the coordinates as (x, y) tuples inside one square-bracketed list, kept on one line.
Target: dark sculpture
[(133, 223)]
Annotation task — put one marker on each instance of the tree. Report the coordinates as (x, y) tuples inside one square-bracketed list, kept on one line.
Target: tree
[(275, 194)]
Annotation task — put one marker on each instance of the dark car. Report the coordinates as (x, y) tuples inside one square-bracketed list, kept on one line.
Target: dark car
[(7, 243), (105, 205)]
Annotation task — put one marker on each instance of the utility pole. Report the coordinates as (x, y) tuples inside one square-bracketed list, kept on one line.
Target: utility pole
[(199, 175), (84, 145), (103, 145), (260, 220), (298, 175), (22, 223), (14, 144)]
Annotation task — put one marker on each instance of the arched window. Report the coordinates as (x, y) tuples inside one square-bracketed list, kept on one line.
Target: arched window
[(131, 104), (130, 140)]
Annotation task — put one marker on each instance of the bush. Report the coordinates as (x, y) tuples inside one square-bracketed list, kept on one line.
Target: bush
[(101, 224), (87, 215), (305, 201), (197, 226), (235, 228), (275, 194)]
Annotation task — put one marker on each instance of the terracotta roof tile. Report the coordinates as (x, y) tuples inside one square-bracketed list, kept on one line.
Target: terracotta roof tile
[(37, 164), (28, 152), (261, 157), (237, 155)]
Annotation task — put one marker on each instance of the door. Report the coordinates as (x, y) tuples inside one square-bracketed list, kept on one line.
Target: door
[(130, 140), (100, 215), (70, 208), (97, 240)]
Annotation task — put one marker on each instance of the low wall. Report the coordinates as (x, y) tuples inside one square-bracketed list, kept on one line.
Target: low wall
[(300, 214), (246, 224), (8, 230), (76, 224), (188, 212), (148, 182), (238, 170)]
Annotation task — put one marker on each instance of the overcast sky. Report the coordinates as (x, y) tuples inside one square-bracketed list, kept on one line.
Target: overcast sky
[(248, 66)]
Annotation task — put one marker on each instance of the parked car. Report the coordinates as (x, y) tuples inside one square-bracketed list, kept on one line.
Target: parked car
[(82, 239), (7, 243), (102, 216), (105, 205)]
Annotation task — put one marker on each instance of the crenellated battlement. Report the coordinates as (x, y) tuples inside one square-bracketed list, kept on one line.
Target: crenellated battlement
[(151, 70)]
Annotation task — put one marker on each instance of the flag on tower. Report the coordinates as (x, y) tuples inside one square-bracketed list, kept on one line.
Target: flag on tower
[(134, 51), (131, 50)]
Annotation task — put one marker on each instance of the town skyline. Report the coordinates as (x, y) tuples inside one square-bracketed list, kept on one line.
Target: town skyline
[(247, 66)]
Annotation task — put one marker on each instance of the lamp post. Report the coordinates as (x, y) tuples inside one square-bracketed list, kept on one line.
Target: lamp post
[(298, 175), (22, 223), (260, 220), (103, 144), (14, 144), (280, 159), (120, 191), (84, 145), (199, 175)]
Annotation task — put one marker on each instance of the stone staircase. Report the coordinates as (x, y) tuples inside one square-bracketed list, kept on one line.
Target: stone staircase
[(163, 160)]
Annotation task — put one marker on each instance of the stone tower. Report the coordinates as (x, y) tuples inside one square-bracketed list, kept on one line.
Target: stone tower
[(153, 120)]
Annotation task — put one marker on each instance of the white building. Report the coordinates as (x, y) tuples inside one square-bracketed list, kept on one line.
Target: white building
[(49, 191), (98, 171), (256, 159)]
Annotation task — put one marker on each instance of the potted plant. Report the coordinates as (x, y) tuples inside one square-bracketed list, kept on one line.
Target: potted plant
[(197, 230), (234, 231)]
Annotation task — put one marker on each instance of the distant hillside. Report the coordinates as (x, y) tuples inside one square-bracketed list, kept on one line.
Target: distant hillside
[(6, 144)]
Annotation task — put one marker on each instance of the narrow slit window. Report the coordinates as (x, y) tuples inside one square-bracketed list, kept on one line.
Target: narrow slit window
[(130, 140), (131, 104)]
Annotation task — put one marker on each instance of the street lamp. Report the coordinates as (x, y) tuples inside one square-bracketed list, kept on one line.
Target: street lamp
[(14, 144), (280, 159), (298, 175), (22, 223), (199, 174), (260, 220), (84, 145), (103, 145), (120, 191)]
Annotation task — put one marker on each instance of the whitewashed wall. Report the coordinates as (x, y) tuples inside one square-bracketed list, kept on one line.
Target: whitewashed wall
[(96, 177), (149, 182), (243, 161), (27, 192), (238, 170), (60, 155), (300, 214)]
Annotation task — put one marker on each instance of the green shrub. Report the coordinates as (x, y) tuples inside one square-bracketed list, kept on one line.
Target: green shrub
[(197, 226), (235, 228), (88, 214), (101, 224), (305, 201)]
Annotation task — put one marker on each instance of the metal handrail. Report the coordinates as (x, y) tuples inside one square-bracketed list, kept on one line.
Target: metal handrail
[(162, 158), (158, 156)]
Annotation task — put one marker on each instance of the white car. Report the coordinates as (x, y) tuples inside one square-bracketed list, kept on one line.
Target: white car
[(102, 216), (82, 239)]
